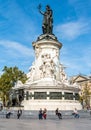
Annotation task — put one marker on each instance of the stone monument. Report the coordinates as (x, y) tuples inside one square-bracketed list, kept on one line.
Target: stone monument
[(47, 85)]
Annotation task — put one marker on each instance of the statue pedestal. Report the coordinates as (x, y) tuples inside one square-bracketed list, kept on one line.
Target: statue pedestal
[(46, 58), (47, 85), (51, 95)]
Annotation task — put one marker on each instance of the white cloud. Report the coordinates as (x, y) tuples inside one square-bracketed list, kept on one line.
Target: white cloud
[(13, 48), (15, 54), (73, 29), (87, 55), (79, 61)]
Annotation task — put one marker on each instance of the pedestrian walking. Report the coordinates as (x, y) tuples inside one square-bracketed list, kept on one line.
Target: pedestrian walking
[(19, 113)]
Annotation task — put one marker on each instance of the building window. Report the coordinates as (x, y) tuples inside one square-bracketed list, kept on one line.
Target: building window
[(40, 95), (30, 96), (27, 95), (55, 95), (76, 96), (68, 96)]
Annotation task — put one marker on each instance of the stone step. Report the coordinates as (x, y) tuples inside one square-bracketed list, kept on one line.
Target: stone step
[(50, 114)]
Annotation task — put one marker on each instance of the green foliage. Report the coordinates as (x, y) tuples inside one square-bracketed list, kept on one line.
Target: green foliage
[(86, 94), (8, 79)]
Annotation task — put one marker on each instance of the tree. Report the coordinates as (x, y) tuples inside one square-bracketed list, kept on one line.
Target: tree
[(85, 97), (8, 79)]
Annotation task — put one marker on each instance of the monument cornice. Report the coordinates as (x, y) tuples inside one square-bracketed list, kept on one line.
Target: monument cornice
[(53, 87), (46, 41)]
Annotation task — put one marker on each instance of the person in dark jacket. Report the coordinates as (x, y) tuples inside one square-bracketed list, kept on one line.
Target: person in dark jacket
[(58, 113), (40, 114), (19, 113)]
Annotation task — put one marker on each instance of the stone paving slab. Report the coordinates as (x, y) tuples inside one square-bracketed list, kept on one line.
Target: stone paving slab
[(35, 124)]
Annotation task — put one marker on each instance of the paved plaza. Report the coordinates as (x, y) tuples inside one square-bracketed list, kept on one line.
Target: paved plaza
[(35, 124)]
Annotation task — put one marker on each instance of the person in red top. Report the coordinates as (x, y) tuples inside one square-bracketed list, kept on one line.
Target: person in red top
[(44, 113)]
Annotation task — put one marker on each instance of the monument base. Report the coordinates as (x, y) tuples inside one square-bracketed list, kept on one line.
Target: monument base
[(52, 105), (51, 94), (47, 85)]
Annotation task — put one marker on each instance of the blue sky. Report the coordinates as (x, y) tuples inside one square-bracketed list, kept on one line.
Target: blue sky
[(20, 25)]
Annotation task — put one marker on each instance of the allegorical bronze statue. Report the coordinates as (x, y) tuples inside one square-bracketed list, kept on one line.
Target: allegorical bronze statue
[(47, 26)]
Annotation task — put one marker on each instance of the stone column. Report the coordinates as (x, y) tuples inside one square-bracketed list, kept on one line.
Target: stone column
[(62, 95), (48, 94)]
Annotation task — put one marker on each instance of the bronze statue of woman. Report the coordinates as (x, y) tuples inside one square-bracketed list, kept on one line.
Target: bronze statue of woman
[(47, 25)]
